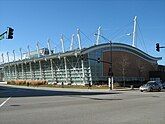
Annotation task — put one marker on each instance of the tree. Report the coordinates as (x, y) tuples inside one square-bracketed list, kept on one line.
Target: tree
[(123, 67)]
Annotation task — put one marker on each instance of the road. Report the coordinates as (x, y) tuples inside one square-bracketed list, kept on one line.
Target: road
[(52, 106)]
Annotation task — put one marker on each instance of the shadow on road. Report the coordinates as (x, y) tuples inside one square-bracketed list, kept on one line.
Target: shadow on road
[(24, 92)]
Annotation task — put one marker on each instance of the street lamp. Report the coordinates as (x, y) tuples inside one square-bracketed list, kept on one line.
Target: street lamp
[(110, 73)]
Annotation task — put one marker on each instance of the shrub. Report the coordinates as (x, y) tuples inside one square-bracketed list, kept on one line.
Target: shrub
[(27, 82), (11, 82)]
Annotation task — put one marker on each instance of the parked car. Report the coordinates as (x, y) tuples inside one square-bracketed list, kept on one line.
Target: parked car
[(161, 85), (151, 86)]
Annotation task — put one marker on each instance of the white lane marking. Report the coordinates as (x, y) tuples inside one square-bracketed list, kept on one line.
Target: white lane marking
[(4, 102)]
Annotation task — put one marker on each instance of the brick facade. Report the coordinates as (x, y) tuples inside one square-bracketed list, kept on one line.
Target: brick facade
[(128, 64)]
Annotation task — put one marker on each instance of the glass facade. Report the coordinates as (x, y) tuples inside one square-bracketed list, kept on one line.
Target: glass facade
[(54, 70)]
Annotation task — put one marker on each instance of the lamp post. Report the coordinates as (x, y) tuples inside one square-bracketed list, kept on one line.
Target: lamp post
[(110, 73)]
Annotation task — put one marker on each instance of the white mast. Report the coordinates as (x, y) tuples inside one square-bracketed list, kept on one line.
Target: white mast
[(62, 43), (98, 35), (20, 52), (14, 55), (65, 62), (49, 47), (8, 57), (28, 51), (37, 45), (20, 49), (82, 61), (134, 32), (72, 40), (79, 38), (2, 58)]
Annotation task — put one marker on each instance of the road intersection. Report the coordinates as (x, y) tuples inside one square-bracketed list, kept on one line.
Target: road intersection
[(26, 105)]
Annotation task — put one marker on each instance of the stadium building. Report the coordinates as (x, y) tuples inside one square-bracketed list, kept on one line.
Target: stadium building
[(92, 65), (128, 64)]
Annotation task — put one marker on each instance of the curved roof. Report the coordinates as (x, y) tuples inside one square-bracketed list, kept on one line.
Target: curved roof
[(122, 47), (115, 47)]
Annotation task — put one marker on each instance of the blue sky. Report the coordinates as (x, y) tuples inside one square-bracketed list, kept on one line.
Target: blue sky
[(38, 20)]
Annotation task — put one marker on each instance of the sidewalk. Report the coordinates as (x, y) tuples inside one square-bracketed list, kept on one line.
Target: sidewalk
[(67, 89)]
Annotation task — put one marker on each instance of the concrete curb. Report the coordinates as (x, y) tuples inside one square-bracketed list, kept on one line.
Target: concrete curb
[(69, 89)]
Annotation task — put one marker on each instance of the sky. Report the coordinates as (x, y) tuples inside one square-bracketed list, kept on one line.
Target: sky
[(39, 20)]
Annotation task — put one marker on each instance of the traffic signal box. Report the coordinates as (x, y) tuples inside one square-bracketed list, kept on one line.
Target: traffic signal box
[(157, 47), (10, 33)]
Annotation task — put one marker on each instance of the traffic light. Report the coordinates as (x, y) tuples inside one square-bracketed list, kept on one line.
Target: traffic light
[(10, 33), (98, 60), (157, 47)]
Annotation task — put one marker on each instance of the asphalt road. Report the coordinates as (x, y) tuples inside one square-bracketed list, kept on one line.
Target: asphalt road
[(52, 106)]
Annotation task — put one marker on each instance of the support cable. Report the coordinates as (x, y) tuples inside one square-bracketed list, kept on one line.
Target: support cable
[(142, 37)]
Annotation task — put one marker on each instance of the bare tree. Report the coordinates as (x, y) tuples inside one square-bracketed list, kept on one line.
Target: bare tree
[(123, 67)]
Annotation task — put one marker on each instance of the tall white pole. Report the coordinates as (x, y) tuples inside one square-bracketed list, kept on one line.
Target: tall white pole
[(40, 66), (62, 43), (98, 35), (79, 38), (31, 73), (37, 45), (20, 49), (82, 61), (134, 32), (15, 66), (49, 47), (9, 65), (72, 40), (8, 57), (51, 65), (20, 52), (2, 58), (14, 55), (28, 51), (65, 63)]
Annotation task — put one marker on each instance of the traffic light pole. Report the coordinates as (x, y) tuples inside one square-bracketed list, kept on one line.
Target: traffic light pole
[(2, 35), (110, 68), (9, 34), (158, 47), (110, 73)]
